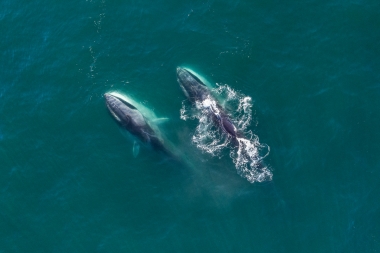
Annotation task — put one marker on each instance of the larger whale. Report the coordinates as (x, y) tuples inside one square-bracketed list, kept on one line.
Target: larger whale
[(130, 118), (198, 93)]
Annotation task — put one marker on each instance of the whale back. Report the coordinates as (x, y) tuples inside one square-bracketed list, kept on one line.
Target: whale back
[(228, 126)]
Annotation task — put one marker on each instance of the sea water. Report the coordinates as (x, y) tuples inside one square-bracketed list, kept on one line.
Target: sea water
[(68, 178)]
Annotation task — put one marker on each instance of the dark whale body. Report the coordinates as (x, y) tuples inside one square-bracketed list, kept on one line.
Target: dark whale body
[(196, 91), (134, 122)]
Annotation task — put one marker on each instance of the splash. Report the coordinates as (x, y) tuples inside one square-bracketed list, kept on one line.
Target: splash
[(247, 153), (249, 161)]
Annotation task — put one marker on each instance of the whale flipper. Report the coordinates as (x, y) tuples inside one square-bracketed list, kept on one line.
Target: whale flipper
[(136, 148), (160, 120)]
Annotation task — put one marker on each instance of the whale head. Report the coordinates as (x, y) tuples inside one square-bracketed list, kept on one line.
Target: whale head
[(193, 88), (123, 111)]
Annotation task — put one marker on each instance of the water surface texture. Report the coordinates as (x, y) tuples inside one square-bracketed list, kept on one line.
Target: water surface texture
[(68, 178)]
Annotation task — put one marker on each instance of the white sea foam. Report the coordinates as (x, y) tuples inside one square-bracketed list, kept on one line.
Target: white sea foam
[(208, 137)]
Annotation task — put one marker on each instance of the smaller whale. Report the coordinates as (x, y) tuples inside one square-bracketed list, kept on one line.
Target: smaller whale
[(131, 119), (197, 92)]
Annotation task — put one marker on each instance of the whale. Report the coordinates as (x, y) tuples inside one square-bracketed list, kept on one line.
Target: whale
[(199, 94), (138, 125)]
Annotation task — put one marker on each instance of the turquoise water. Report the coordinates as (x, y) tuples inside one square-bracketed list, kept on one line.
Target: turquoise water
[(69, 182)]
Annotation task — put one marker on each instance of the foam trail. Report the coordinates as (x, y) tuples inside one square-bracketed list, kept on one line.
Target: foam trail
[(248, 161), (208, 137)]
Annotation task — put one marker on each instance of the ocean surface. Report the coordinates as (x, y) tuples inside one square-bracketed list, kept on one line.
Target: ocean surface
[(69, 181)]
